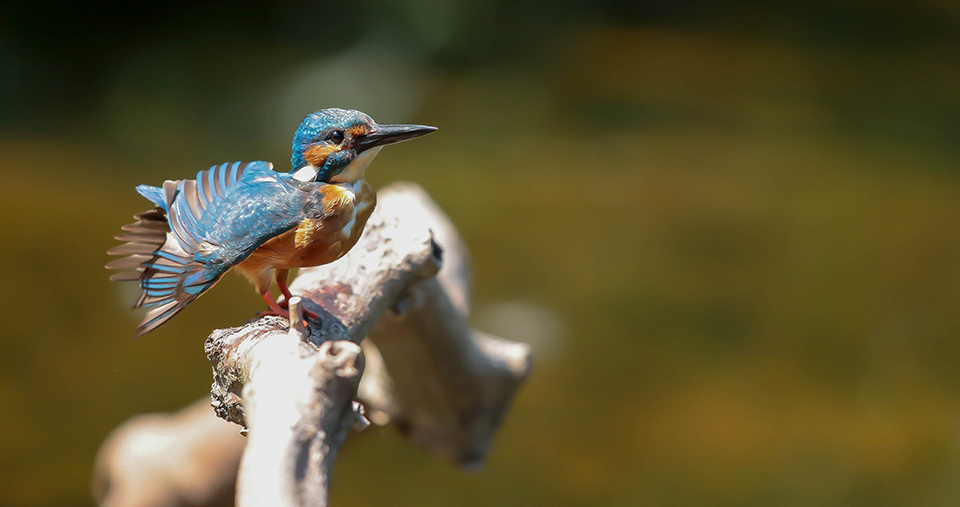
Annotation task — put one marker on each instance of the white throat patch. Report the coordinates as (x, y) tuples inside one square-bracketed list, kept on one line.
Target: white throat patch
[(357, 167)]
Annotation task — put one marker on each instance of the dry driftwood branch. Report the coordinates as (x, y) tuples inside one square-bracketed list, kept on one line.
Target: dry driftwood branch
[(445, 386), (450, 385), (188, 458), (298, 405)]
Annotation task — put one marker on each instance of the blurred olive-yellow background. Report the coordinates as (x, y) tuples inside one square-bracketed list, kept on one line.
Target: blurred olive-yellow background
[(730, 231)]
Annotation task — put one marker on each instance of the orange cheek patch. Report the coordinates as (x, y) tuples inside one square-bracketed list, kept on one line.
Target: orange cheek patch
[(316, 155)]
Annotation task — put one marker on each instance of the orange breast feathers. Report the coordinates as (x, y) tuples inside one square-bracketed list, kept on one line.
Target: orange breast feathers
[(345, 209), (313, 242)]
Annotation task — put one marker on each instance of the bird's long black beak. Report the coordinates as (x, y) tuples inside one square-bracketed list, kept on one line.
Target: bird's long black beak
[(389, 134)]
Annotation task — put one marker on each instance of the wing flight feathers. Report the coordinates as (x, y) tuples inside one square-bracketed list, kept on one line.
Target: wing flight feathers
[(163, 247)]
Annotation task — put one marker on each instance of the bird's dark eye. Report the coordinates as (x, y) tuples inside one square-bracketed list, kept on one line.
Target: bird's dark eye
[(336, 137)]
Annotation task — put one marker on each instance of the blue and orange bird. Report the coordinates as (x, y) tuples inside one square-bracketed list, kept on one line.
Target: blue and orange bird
[(249, 217)]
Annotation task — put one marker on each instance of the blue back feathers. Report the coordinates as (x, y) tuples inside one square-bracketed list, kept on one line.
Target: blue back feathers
[(202, 228)]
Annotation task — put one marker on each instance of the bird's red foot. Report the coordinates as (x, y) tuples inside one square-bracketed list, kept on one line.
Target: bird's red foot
[(274, 308), (281, 309)]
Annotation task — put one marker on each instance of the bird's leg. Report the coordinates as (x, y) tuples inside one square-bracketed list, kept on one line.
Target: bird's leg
[(274, 307), (280, 276)]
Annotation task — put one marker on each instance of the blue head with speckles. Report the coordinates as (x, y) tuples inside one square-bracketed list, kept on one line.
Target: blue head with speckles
[(339, 143)]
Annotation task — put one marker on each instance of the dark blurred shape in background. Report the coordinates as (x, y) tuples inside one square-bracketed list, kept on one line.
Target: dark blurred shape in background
[(731, 231)]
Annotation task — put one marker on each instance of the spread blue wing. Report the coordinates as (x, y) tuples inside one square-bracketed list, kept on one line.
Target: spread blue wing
[(200, 229), (231, 209)]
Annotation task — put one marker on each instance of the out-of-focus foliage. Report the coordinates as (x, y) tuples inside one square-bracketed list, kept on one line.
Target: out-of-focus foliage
[(731, 231)]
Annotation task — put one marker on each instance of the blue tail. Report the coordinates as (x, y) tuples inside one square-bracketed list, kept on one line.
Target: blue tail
[(171, 281), (169, 277), (154, 194)]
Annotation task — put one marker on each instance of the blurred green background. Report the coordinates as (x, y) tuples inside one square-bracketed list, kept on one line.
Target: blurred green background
[(731, 232)]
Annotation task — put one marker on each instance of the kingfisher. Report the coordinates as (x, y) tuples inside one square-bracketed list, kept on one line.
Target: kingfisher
[(261, 222)]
